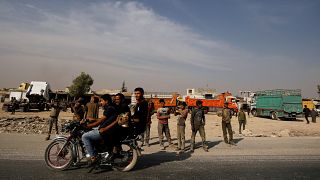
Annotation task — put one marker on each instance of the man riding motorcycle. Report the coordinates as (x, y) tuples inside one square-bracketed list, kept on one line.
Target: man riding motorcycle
[(104, 128)]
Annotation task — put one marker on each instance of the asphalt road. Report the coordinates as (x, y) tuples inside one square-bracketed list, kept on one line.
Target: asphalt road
[(21, 157), (167, 167)]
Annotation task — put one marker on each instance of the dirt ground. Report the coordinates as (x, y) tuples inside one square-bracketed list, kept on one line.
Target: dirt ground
[(256, 126)]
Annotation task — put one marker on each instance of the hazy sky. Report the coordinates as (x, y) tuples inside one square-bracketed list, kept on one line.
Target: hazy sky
[(164, 45)]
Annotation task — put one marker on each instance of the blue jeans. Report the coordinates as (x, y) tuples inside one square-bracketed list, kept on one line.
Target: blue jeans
[(89, 139)]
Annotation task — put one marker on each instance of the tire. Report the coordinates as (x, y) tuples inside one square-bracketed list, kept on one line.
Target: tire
[(56, 162), (273, 115), (128, 159)]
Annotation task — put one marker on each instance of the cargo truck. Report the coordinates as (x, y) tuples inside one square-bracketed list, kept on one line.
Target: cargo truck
[(278, 103), (217, 103)]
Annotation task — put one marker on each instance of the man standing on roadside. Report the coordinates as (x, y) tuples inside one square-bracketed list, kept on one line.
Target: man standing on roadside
[(181, 126), (306, 112), (139, 111), (13, 105), (226, 124), (242, 120), (198, 122), (314, 115), (163, 114), (55, 111), (146, 134), (92, 108)]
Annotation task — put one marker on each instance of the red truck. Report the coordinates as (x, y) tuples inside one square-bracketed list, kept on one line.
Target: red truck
[(217, 103)]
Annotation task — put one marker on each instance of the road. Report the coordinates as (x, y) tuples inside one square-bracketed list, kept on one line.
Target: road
[(21, 157)]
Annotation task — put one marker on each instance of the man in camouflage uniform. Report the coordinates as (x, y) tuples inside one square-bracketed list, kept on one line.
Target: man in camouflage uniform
[(198, 122), (54, 117), (226, 125)]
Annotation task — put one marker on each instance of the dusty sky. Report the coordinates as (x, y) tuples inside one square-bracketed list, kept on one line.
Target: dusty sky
[(167, 45)]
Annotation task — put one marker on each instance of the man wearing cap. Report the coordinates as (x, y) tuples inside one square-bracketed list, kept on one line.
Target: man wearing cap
[(226, 124)]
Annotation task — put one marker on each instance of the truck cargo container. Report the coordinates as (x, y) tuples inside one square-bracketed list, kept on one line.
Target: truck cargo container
[(279, 103)]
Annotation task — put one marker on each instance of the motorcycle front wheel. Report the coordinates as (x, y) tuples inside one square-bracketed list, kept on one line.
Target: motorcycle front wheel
[(57, 161), (126, 159)]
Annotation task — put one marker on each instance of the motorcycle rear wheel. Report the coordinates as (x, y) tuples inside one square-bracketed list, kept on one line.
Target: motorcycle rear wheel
[(62, 161), (127, 160)]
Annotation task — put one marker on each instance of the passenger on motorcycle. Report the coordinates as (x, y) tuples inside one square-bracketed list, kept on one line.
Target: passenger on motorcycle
[(105, 128)]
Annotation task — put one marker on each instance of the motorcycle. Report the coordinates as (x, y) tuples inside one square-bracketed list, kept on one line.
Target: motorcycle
[(64, 152)]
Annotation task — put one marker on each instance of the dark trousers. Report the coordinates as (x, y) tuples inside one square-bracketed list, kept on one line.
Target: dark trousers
[(181, 136), (146, 135), (164, 128), (53, 120), (243, 125), (307, 119), (202, 133), (13, 110), (227, 127)]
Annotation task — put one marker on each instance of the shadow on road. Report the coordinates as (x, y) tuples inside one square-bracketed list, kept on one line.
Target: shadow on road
[(158, 158)]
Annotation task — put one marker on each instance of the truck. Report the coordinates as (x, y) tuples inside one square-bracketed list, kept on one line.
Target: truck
[(278, 103), (170, 99), (37, 96), (19, 95), (216, 103)]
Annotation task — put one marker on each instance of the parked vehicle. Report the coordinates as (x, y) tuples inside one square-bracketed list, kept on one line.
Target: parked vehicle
[(309, 103), (170, 100), (38, 96), (217, 103), (65, 152), (19, 95), (279, 103)]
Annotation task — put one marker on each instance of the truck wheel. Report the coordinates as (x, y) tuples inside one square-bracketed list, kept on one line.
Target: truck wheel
[(274, 115)]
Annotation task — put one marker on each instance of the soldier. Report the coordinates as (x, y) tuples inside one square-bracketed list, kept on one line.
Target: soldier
[(242, 120), (306, 111), (198, 122), (181, 126), (226, 124), (79, 110), (92, 108), (13, 105), (163, 114), (54, 117)]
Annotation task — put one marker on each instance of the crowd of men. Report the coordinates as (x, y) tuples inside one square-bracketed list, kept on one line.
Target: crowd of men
[(117, 117)]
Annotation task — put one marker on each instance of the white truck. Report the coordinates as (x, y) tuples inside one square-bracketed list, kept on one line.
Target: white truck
[(37, 96), (18, 95)]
